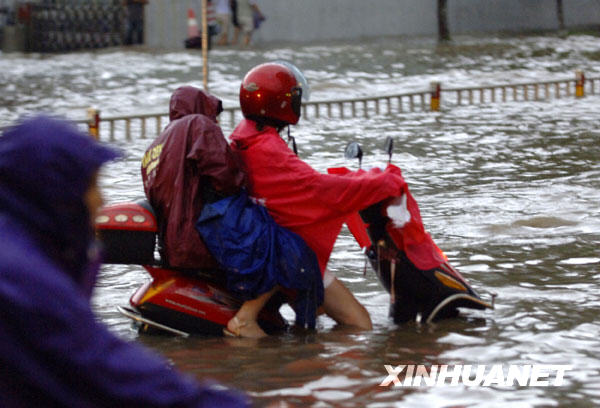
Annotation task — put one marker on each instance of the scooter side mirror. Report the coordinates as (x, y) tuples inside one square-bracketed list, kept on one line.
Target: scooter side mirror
[(354, 151), (388, 147)]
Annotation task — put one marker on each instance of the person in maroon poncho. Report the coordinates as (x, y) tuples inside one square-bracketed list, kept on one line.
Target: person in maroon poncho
[(188, 163), (311, 204)]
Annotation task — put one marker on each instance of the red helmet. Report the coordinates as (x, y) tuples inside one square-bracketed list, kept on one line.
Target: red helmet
[(273, 92)]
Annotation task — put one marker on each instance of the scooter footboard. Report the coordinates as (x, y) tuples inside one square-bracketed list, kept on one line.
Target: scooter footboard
[(185, 302)]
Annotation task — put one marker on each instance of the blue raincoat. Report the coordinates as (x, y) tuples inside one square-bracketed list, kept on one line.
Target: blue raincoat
[(258, 254), (53, 351)]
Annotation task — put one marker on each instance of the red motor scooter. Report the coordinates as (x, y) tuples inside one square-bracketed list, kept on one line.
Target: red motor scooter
[(185, 302)]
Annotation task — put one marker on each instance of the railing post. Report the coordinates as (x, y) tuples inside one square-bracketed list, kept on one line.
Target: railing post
[(93, 121), (128, 129), (112, 130), (435, 91), (579, 83), (143, 136)]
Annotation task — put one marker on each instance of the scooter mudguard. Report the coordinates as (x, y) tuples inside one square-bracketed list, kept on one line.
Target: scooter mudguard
[(415, 294)]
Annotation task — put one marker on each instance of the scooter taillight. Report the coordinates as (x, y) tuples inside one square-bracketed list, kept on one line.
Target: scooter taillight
[(128, 232), (126, 216)]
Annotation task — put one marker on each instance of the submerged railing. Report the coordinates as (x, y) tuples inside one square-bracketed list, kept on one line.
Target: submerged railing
[(425, 101)]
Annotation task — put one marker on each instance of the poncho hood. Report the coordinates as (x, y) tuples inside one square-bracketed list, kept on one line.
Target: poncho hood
[(46, 166), (188, 100)]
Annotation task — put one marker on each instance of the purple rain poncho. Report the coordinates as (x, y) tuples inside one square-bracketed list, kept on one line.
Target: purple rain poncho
[(53, 351)]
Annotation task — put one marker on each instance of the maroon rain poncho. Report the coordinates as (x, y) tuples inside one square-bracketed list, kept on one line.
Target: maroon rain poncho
[(188, 157)]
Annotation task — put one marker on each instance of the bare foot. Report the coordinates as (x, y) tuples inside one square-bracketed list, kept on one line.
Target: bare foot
[(246, 328)]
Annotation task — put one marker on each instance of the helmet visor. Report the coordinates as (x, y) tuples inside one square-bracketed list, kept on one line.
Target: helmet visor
[(297, 100), (302, 83)]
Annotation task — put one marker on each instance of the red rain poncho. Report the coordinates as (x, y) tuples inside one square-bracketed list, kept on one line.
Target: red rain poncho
[(309, 203), (187, 155)]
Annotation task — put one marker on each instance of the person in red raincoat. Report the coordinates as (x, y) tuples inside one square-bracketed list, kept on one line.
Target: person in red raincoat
[(188, 163), (309, 203)]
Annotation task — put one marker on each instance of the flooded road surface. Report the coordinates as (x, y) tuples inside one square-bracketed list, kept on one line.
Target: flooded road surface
[(509, 191)]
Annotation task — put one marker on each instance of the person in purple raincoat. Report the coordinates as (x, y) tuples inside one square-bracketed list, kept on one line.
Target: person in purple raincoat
[(53, 351)]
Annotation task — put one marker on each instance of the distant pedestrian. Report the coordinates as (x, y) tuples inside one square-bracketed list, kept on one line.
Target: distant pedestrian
[(234, 21), (135, 21), (223, 11), (211, 19), (247, 13)]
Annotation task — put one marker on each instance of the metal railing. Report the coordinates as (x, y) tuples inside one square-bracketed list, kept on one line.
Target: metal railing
[(423, 101)]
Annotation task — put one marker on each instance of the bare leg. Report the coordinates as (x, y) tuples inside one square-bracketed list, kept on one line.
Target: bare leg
[(341, 305), (244, 323), (247, 38), (236, 35), (223, 40), (224, 37)]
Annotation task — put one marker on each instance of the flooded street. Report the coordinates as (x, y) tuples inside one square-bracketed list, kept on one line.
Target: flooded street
[(510, 192)]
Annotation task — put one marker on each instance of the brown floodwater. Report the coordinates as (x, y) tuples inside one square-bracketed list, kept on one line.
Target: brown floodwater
[(510, 192)]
